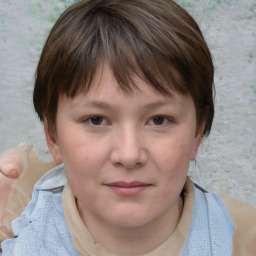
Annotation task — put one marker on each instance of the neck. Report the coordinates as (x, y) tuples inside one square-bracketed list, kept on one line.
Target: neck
[(140, 240)]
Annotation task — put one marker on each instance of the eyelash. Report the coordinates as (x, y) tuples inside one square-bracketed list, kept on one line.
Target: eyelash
[(89, 121), (164, 119), (99, 120)]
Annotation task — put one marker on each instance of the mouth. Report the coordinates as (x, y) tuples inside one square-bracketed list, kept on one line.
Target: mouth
[(128, 188)]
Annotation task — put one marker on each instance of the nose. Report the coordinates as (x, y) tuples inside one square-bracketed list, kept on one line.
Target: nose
[(129, 150)]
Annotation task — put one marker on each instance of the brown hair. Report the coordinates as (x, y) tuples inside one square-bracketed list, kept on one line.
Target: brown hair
[(154, 39)]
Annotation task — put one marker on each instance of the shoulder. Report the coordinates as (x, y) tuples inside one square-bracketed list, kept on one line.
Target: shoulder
[(42, 227), (211, 228), (243, 216)]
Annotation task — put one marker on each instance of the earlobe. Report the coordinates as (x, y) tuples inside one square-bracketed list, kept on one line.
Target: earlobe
[(52, 144)]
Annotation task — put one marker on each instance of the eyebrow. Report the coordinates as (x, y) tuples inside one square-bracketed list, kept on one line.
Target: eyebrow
[(149, 106), (99, 104), (91, 103), (159, 104)]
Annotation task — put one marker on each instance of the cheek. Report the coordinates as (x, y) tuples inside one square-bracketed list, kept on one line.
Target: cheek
[(78, 148), (174, 154), (84, 160), (82, 171), (80, 162)]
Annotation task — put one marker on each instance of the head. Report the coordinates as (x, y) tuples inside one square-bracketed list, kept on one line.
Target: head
[(156, 41), (125, 90)]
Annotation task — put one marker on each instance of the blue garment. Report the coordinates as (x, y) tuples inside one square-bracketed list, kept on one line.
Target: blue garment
[(42, 229), (211, 228)]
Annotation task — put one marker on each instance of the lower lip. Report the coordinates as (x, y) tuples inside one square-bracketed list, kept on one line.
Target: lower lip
[(128, 191)]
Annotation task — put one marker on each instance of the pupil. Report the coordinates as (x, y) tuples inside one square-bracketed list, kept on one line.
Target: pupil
[(158, 120), (96, 120)]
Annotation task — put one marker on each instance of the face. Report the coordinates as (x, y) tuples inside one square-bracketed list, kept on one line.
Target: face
[(126, 156)]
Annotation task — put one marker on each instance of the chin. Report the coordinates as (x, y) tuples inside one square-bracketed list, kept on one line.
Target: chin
[(129, 219)]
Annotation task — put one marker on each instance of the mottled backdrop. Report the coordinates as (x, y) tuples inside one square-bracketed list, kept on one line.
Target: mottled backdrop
[(227, 159)]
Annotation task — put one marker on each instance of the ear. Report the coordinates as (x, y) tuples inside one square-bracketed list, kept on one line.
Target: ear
[(198, 139), (52, 144)]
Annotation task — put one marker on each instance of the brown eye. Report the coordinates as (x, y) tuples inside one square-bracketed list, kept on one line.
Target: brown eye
[(96, 120), (159, 120)]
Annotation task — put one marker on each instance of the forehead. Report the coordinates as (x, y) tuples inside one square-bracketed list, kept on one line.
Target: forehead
[(105, 83), (105, 92)]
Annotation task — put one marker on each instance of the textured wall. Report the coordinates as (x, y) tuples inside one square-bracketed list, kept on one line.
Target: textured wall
[(227, 159)]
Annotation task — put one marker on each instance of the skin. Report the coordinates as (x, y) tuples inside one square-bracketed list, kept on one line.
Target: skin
[(105, 137), (12, 167)]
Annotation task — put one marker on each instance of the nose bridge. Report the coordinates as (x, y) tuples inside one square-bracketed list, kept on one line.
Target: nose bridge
[(129, 148)]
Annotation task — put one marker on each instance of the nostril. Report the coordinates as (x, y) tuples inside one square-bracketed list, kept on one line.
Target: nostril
[(129, 163), (128, 153)]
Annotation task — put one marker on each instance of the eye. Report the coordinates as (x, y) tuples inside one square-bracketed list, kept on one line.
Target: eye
[(96, 121), (159, 120)]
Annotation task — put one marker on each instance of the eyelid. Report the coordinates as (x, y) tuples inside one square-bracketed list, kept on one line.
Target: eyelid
[(168, 120), (88, 120)]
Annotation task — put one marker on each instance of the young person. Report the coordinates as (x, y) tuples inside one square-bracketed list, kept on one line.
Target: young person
[(125, 91)]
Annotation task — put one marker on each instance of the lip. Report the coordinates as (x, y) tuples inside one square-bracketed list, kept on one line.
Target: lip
[(128, 188)]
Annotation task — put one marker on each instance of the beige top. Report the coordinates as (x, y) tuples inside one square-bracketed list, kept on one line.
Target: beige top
[(243, 216)]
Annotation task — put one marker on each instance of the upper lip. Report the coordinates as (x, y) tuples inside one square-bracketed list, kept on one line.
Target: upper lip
[(127, 184)]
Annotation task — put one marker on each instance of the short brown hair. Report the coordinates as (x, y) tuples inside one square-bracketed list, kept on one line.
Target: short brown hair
[(156, 40)]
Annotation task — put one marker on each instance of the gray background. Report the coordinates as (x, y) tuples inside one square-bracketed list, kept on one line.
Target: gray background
[(227, 159)]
